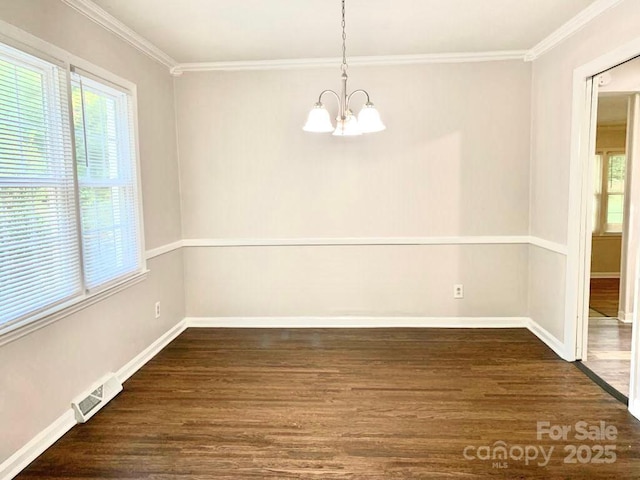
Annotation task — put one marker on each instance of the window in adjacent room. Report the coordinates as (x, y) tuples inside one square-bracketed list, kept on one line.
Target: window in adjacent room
[(608, 211)]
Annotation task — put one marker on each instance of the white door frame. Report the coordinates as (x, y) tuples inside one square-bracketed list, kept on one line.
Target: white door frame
[(579, 218)]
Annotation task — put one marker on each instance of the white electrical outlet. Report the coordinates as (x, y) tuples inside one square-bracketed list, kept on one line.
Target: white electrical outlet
[(458, 291), (157, 309)]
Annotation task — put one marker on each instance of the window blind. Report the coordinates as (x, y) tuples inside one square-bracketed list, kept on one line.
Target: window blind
[(106, 169), (39, 261)]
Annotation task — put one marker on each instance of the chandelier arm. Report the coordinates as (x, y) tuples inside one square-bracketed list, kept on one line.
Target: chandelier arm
[(357, 91), (318, 120), (329, 91)]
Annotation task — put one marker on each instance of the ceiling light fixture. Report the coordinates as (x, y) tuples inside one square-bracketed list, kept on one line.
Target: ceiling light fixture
[(368, 121)]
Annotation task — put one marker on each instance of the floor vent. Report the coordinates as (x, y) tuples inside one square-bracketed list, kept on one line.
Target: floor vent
[(86, 405)]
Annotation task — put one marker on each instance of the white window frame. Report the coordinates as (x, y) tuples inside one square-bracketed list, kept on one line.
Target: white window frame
[(600, 228), (123, 152), (32, 45)]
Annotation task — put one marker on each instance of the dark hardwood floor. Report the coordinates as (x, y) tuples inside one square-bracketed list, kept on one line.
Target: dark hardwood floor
[(604, 296), (609, 350), (347, 404)]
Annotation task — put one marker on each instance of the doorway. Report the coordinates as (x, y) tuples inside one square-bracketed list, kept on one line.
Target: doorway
[(613, 240)]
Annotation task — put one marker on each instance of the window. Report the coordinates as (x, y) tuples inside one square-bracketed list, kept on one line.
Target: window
[(106, 180), (69, 222), (609, 185)]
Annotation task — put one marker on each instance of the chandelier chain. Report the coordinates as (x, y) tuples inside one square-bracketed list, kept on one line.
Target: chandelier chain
[(344, 39), (367, 121)]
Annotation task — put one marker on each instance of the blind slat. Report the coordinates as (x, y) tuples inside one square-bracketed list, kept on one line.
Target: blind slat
[(107, 178), (39, 245), (41, 262)]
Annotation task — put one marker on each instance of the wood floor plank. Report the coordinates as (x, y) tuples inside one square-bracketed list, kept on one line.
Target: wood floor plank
[(609, 352), (343, 404), (604, 296)]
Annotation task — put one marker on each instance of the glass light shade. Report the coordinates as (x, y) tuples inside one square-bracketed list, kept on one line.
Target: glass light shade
[(318, 120), (347, 127), (369, 119)]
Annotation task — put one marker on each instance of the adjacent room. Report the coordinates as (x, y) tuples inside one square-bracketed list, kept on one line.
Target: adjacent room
[(613, 244), (336, 239)]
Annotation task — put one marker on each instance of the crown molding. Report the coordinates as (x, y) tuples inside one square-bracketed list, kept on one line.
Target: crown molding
[(92, 11), (570, 27), (109, 22), (382, 60)]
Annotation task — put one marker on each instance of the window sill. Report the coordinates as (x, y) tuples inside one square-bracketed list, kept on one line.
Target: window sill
[(20, 329)]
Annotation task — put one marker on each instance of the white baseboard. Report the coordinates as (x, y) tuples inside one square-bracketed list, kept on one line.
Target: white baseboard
[(625, 317), (605, 275), (634, 409), (38, 444), (17, 462), (357, 322), (382, 322), (23, 457), (548, 339), (151, 351)]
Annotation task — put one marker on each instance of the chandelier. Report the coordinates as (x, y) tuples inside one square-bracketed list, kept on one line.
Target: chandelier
[(368, 121)]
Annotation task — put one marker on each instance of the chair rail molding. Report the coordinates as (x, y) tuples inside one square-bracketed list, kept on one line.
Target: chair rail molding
[(357, 241)]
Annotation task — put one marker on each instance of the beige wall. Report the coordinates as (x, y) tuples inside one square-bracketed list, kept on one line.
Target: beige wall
[(605, 254), (357, 281), (610, 137), (454, 161), (551, 137), (41, 372), (606, 249)]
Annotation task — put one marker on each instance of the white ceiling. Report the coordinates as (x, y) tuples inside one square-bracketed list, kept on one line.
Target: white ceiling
[(618, 83), (612, 109), (243, 30)]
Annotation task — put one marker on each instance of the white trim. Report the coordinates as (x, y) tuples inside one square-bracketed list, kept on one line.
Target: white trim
[(625, 317), (151, 351), (366, 241), (97, 14), (634, 380), (383, 322), (605, 274), (356, 322), (634, 409), (47, 437), (548, 245), (570, 27), (550, 340), (161, 250), (76, 305), (361, 241), (373, 60), (37, 445), (579, 161), (92, 11), (23, 40), (31, 324)]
